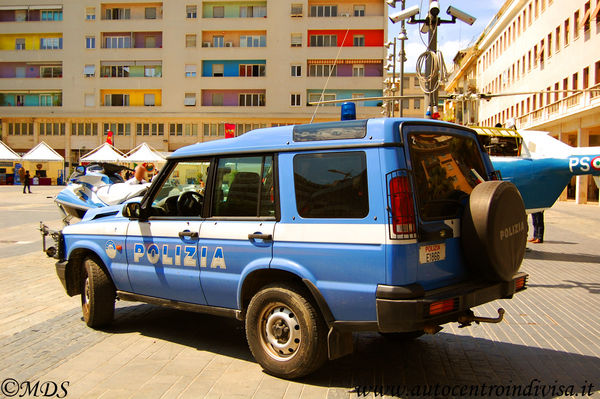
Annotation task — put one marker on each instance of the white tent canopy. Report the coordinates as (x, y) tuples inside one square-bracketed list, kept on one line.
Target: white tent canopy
[(41, 153), (103, 153), (144, 153), (7, 154)]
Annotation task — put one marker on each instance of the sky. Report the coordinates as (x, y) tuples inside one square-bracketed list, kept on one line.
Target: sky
[(451, 37)]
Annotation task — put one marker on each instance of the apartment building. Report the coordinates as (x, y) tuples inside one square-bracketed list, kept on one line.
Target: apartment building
[(540, 47), (174, 73)]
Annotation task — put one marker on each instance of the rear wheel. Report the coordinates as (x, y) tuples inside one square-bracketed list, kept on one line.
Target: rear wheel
[(285, 332), (97, 295)]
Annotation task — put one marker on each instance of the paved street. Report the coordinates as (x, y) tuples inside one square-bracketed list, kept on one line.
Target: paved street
[(551, 332)]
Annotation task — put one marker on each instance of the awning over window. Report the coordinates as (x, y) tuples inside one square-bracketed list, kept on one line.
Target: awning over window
[(89, 69), (47, 7), (339, 62)]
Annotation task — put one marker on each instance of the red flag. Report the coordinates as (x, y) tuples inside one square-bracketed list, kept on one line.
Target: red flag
[(229, 130), (109, 137)]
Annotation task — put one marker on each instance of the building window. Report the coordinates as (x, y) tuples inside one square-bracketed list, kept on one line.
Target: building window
[(89, 71), (117, 13), (252, 70), (323, 11), (296, 40), (358, 95), (116, 100), (405, 103), (417, 103), (90, 13), (52, 43), (176, 129), (218, 12), (296, 70), (295, 100), (190, 70), (22, 129), (576, 24), (218, 41), (253, 11), (90, 42), (189, 100), (358, 70), (566, 33), (253, 41), (214, 129), (557, 39), (190, 41), (217, 99), (586, 77), (296, 10), (191, 129), (251, 100), (150, 12), (51, 129), (549, 44), (52, 15), (322, 70), (218, 70), (316, 97), (323, 40), (191, 11), (359, 41), (89, 100), (117, 42), (51, 71), (575, 81), (359, 10), (145, 129), (151, 71), (84, 129), (149, 99)]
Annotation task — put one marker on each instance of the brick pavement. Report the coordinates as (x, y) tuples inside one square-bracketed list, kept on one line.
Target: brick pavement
[(551, 332)]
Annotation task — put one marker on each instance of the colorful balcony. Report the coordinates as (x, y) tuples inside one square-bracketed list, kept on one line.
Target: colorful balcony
[(31, 13), (343, 38), (119, 11), (313, 95), (31, 41), (30, 70), (235, 68), (233, 98), (130, 98), (115, 40), (130, 69), (345, 68), (31, 98), (242, 9), (234, 38), (332, 9)]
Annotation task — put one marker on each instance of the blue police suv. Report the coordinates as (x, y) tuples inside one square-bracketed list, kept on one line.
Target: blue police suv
[(309, 233)]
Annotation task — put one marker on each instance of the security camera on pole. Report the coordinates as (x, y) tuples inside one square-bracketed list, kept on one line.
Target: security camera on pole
[(434, 62)]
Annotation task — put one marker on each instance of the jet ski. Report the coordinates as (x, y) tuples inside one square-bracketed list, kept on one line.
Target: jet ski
[(94, 186)]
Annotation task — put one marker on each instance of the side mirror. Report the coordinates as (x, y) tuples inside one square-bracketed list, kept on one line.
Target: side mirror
[(133, 210), (80, 169)]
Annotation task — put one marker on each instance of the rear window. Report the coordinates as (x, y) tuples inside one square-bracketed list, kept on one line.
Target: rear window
[(446, 168), (331, 185)]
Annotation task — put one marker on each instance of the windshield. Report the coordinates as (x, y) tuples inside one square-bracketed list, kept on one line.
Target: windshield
[(446, 168)]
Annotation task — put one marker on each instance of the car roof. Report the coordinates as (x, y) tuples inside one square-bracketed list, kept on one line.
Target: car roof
[(279, 139)]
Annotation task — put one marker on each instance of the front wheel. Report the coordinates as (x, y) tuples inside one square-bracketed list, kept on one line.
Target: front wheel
[(97, 295), (285, 332)]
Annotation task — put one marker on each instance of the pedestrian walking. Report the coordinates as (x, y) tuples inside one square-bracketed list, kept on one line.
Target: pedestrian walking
[(27, 182), (538, 228)]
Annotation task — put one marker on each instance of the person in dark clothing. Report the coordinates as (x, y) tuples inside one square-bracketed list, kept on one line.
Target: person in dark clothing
[(538, 228), (26, 182)]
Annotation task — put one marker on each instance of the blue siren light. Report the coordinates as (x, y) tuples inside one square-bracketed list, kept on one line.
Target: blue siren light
[(348, 111)]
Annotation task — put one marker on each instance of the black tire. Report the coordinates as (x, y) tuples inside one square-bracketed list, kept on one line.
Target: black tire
[(403, 336), (494, 231), (97, 295), (285, 332)]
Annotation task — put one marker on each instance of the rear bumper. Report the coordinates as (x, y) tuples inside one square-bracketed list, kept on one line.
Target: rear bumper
[(406, 308)]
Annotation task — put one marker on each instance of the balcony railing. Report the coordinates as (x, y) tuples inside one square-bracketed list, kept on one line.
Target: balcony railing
[(563, 106)]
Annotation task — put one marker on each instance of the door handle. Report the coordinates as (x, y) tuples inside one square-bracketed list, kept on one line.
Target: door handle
[(188, 234), (260, 236)]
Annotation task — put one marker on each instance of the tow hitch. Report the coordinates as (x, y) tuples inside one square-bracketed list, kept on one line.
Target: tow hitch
[(468, 318)]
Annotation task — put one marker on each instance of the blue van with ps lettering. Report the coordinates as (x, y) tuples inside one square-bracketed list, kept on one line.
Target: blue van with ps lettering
[(309, 233)]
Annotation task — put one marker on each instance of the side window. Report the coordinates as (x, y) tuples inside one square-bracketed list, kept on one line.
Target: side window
[(244, 187), (182, 193), (331, 185)]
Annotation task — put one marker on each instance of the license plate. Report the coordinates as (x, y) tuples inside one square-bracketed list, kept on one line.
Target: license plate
[(432, 253)]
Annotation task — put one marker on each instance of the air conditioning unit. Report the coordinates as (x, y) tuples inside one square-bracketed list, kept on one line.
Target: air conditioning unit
[(228, 44), (206, 44)]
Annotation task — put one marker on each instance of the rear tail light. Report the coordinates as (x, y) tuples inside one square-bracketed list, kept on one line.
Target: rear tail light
[(439, 307), (403, 219)]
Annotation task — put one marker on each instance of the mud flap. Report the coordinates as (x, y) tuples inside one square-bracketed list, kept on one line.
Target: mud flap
[(339, 343)]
